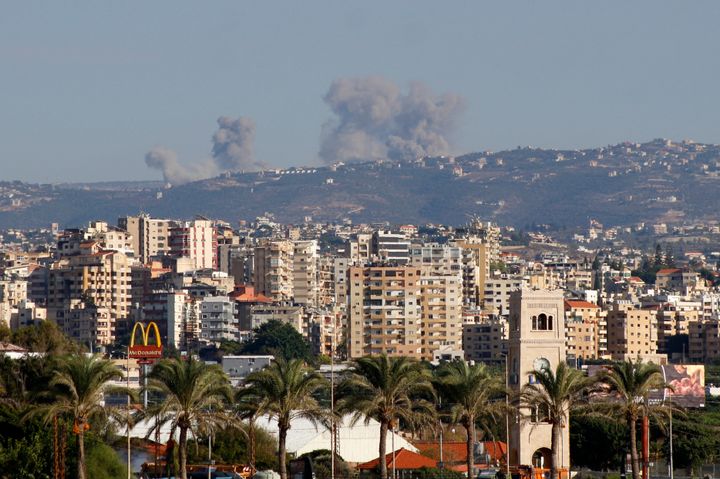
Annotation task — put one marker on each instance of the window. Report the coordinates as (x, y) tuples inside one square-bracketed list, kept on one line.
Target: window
[(542, 322)]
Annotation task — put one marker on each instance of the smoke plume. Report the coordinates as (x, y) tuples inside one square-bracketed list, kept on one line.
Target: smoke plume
[(233, 144), (175, 173), (376, 120), (232, 150)]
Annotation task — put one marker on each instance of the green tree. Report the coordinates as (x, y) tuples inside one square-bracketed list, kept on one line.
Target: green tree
[(631, 382), (694, 442), (388, 390), (597, 442), (193, 399), (471, 392), (279, 339), (286, 389), (76, 390), (553, 395)]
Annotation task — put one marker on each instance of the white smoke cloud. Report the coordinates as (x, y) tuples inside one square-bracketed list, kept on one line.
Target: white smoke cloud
[(175, 173), (374, 119)]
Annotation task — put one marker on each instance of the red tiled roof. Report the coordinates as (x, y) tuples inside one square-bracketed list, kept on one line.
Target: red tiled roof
[(668, 271), (404, 459), (456, 451), (635, 279), (572, 303)]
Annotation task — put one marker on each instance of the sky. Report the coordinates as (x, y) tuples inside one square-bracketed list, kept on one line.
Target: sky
[(87, 89)]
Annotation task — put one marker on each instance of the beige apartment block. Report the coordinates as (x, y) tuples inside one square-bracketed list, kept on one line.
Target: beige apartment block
[(704, 340), (485, 340), (385, 311), (632, 333), (86, 323), (306, 288), (436, 259), (273, 270), (537, 341), (441, 323), (149, 237), (497, 293), (101, 279), (585, 330)]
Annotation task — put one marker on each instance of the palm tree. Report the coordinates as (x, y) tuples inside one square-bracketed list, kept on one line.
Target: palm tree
[(553, 395), (247, 408), (77, 389), (631, 382), (387, 390), (286, 390), (470, 391), (193, 397)]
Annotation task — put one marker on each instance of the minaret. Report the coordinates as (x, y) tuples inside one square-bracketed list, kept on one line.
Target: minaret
[(537, 338)]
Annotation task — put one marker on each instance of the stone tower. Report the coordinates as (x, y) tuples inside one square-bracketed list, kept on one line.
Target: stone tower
[(537, 338)]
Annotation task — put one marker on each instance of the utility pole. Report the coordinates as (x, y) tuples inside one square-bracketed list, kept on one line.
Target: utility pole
[(332, 402), (672, 473), (507, 418)]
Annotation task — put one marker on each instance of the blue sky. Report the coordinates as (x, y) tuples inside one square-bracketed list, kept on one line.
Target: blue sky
[(87, 88)]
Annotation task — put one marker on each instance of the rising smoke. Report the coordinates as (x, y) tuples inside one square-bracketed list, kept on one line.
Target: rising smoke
[(376, 120), (232, 150)]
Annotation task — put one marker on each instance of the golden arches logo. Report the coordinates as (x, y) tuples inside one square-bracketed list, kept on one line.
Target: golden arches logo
[(145, 350)]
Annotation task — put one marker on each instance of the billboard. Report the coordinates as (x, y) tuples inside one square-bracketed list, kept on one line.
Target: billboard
[(145, 352), (686, 384)]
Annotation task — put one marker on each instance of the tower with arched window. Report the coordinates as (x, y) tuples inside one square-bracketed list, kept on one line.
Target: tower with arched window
[(537, 339)]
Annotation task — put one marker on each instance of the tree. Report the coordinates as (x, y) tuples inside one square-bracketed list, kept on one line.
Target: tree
[(553, 395), (194, 395), (279, 339), (76, 390), (596, 442), (286, 390), (470, 392), (388, 390), (631, 382)]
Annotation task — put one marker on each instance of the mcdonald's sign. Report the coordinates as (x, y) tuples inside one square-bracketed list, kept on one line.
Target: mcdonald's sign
[(145, 351)]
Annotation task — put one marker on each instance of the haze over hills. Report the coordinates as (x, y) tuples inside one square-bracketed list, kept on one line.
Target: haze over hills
[(621, 184)]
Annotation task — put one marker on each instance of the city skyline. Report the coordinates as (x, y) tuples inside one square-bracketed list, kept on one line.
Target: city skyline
[(89, 92)]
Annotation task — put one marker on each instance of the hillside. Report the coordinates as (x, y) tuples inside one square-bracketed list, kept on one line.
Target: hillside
[(620, 184)]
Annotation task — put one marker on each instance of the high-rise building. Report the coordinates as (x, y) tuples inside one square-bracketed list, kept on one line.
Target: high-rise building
[(150, 237), (585, 330), (306, 289), (384, 311), (101, 280), (273, 270), (441, 313), (196, 240), (632, 333), (391, 247)]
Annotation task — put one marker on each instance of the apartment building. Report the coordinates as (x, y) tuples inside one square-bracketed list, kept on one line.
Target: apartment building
[(585, 330), (391, 247), (149, 237), (475, 271), (218, 320), (305, 273), (441, 313), (183, 319), (497, 291), (86, 323), (435, 259), (385, 311), (273, 270), (485, 340), (101, 280), (704, 340), (632, 333), (196, 240)]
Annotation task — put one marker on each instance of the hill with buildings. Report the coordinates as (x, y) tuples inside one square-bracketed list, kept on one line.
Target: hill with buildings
[(658, 181)]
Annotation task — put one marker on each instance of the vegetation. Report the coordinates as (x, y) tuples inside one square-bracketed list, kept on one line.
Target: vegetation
[(194, 395), (471, 394), (279, 339), (389, 390), (286, 389), (552, 397), (632, 381), (76, 391)]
